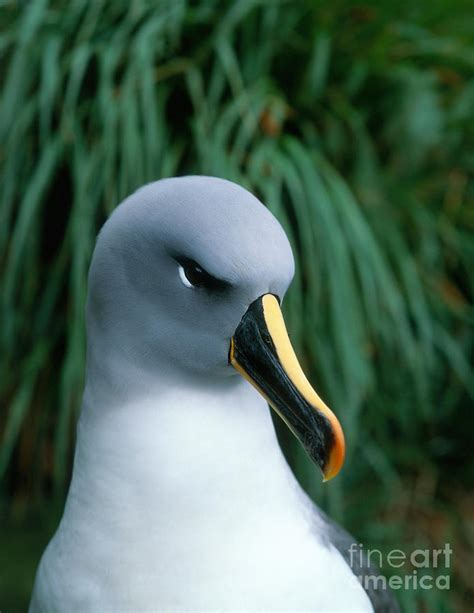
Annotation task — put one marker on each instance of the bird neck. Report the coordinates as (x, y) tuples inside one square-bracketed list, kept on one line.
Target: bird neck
[(187, 452)]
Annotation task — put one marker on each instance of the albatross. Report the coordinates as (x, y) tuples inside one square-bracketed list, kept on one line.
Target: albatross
[(181, 498)]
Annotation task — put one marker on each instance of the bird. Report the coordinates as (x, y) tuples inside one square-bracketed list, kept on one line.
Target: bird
[(181, 498)]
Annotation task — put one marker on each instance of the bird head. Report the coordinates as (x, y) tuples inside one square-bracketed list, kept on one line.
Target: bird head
[(187, 276)]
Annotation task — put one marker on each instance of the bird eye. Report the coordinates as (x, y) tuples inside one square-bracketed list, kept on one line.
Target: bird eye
[(193, 275)]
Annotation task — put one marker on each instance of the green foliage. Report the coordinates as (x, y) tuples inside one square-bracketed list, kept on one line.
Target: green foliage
[(353, 123)]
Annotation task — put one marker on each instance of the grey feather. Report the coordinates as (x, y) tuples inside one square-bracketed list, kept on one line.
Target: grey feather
[(382, 598)]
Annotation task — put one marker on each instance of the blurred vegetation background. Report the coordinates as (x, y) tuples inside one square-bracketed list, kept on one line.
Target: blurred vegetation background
[(354, 123)]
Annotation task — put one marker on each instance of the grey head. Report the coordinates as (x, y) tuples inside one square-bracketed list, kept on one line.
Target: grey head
[(187, 279), (175, 268)]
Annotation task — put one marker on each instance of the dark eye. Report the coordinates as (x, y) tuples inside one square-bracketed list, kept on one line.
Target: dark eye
[(193, 275)]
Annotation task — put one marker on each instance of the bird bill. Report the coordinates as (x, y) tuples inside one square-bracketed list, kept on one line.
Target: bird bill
[(261, 351)]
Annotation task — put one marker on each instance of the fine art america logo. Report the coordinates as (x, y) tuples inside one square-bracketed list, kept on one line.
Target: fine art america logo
[(421, 569)]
